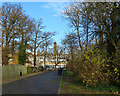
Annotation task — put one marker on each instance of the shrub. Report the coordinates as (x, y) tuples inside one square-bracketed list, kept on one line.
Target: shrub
[(91, 67), (30, 70), (41, 68), (116, 67)]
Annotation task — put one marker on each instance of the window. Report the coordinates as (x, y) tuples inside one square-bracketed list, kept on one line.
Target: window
[(41, 57), (41, 61)]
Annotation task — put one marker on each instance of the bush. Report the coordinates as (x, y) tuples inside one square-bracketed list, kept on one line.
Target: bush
[(91, 68), (30, 70), (41, 68), (116, 67)]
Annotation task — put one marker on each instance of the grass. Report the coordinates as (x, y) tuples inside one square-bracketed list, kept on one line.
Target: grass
[(109, 88), (102, 88), (69, 86), (62, 84)]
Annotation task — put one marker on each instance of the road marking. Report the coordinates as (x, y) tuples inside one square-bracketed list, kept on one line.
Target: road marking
[(60, 85)]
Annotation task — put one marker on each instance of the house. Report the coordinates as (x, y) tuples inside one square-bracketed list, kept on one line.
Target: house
[(46, 61), (41, 60), (52, 61), (13, 59)]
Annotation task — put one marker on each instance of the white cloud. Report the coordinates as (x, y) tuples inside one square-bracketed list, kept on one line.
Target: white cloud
[(55, 15), (46, 6), (56, 6)]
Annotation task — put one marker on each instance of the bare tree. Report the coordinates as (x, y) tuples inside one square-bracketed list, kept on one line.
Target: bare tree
[(10, 17), (73, 14), (40, 36), (71, 43), (44, 47)]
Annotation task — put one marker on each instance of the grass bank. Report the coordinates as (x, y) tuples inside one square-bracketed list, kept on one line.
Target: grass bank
[(69, 86)]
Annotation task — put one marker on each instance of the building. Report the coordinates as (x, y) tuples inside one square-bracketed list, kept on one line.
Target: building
[(13, 59), (49, 60), (52, 61), (46, 61)]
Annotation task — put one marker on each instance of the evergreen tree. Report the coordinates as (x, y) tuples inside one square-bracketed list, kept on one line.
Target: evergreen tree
[(22, 53)]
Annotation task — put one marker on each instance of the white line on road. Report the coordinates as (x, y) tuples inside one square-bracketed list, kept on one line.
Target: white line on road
[(60, 85)]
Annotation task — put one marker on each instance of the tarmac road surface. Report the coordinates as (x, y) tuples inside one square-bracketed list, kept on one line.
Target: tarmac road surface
[(46, 83)]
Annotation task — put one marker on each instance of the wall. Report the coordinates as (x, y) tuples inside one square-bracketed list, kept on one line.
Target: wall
[(10, 71)]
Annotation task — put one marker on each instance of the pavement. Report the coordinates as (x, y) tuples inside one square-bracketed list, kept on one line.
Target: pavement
[(45, 83)]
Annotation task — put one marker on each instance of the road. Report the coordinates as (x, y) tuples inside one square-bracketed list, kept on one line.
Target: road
[(46, 83)]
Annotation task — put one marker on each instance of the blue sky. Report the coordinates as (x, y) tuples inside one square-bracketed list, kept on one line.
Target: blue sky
[(50, 13)]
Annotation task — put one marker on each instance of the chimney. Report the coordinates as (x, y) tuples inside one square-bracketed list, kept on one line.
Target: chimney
[(54, 48), (38, 52)]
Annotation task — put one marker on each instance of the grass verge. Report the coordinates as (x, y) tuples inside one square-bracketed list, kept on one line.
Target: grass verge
[(69, 86)]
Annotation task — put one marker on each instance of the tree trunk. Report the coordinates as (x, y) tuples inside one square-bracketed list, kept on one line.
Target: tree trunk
[(35, 51), (44, 59), (79, 38), (34, 57), (6, 51), (13, 45), (86, 37)]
